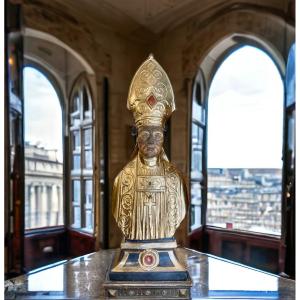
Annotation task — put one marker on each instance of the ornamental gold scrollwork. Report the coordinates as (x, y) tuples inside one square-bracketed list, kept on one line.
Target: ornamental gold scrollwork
[(126, 202)]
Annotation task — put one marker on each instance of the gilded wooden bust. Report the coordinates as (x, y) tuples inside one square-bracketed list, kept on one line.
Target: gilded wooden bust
[(149, 193)]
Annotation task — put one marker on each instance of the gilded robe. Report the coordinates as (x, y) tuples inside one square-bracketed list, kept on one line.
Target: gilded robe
[(149, 202)]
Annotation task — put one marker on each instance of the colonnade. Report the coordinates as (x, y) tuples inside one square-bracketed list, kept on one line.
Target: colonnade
[(43, 205)]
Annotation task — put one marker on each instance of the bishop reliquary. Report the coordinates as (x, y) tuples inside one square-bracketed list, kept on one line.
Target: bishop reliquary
[(149, 198)]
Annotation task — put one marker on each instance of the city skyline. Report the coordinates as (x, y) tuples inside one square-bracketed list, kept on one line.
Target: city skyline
[(240, 199)]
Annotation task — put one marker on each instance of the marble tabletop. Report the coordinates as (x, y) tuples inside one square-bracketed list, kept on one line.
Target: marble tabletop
[(213, 278)]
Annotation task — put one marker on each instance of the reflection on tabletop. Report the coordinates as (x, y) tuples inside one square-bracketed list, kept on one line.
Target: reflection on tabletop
[(212, 277)]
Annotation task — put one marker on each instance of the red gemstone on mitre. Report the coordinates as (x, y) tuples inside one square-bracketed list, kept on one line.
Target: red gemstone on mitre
[(148, 259), (151, 101)]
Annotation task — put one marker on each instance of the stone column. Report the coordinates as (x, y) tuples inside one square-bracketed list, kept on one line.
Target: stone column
[(43, 211), (32, 220), (27, 206), (38, 202), (60, 204), (54, 208)]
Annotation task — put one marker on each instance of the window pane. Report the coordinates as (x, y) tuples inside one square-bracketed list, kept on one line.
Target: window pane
[(43, 151), (76, 217), (198, 108), (76, 140), (195, 217), (86, 107), (88, 194), (245, 143), (291, 139), (88, 220), (76, 191), (75, 108), (75, 119), (13, 129), (195, 135), (290, 77), (88, 159), (88, 204), (75, 103), (88, 137), (196, 159), (76, 162)]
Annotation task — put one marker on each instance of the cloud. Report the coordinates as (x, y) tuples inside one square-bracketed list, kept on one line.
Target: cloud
[(249, 68), (245, 112)]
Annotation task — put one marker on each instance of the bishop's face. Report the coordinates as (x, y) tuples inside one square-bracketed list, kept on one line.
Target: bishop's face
[(150, 140)]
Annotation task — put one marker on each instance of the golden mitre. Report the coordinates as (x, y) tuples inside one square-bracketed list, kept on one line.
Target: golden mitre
[(151, 97)]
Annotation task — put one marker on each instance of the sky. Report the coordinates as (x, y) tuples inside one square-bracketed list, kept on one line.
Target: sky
[(42, 109), (245, 112)]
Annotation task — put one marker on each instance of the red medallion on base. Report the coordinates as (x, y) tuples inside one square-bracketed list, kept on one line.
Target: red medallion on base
[(148, 259)]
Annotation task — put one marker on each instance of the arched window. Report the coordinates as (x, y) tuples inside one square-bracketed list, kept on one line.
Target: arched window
[(244, 143), (43, 152), (81, 145), (196, 167)]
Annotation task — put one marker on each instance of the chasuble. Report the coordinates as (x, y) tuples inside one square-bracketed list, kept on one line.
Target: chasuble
[(149, 200)]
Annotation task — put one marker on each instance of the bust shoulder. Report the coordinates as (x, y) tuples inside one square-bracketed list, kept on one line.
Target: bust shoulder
[(128, 169), (131, 164), (170, 168)]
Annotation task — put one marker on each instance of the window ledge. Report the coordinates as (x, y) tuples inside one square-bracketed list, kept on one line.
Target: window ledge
[(44, 230)]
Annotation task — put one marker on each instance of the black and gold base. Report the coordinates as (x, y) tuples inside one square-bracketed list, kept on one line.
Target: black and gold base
[(151, 268), (148, 289)]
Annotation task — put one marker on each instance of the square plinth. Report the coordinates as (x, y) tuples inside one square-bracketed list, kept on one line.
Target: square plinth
[(127, 266)]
